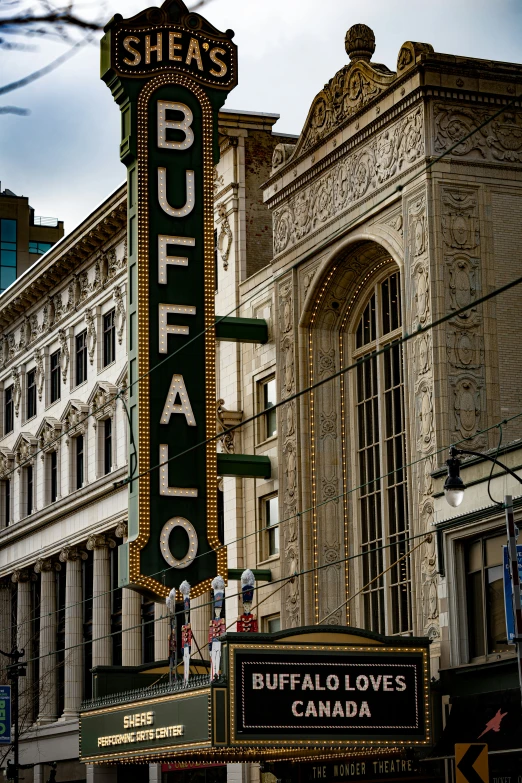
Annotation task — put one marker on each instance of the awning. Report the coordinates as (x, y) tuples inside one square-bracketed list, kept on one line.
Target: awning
[(494, 718)]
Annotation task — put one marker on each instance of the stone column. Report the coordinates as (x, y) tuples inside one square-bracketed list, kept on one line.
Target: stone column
[(131, 653), (5, 623), (73, 654), (48, 693), (101, 600), (161, 632), (23, 639), (200, 616)]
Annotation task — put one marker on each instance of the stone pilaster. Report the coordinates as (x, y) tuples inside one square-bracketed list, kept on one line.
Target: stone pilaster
[(161, 632), (101, 545), (23, 639), (47, 693), (200, 616), (5, 621), (131, 652), (73, 678)]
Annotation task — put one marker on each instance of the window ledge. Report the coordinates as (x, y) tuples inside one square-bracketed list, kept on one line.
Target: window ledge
[(270, 559), (271, 439)]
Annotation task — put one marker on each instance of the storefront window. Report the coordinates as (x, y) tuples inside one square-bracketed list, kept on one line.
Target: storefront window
[(485, 597)]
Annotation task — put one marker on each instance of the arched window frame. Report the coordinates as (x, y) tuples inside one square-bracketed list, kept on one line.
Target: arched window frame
[(385, 605)]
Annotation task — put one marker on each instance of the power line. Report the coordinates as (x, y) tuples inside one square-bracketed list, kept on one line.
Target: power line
[(342, 230), (297, 515)]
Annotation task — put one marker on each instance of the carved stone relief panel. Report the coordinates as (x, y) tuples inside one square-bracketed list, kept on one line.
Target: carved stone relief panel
[(464, 333), (360, 173), (288, 477), (498, 141)]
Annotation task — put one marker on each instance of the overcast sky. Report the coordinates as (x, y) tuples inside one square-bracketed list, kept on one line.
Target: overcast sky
[(64, 155)]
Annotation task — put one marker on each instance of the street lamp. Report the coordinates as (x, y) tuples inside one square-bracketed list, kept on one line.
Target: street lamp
[(454, 491)]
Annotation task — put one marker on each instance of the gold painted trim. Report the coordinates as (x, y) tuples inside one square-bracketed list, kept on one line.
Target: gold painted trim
[(328, 648), (135, 546)]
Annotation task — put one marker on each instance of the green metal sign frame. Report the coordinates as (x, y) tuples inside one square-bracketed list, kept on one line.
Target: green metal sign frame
[(170, 72)]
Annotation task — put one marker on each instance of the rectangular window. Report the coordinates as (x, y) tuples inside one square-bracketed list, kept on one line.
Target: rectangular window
[(271, 520), (147, 621), (79, 462), (31, 394), (8, 410), (268, 400), (56, 380), (7, 501), (7, 253), (29, 489), (81, 357), (39, 248), (485, 597), (53, 468), (109, 338), (107, 446), (273, 624)]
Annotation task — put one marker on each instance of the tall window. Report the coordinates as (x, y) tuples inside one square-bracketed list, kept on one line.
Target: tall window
[(485, 597), (29, 489), (147, 635), (31, 394), (79, 443), (8, 410), (56, 390), (382, 503), (6, 497), (53, 470), (109, 338), (7, 253), (81, 357), (271, 523), (107, 446), (116, 611), (268, 400)]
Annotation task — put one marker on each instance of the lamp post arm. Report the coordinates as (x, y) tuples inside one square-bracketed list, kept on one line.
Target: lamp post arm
[(454, 452)]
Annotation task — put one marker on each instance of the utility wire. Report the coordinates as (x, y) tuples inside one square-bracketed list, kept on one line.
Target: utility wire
[(346, 227), (297, 515)]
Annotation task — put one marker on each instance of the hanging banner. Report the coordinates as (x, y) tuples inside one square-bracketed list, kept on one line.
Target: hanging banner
[(170, 72)]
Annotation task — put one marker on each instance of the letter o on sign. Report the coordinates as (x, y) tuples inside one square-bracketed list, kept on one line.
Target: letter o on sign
[(190, 530)]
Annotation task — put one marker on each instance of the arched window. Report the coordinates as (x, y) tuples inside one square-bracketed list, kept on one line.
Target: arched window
[(379, 462)]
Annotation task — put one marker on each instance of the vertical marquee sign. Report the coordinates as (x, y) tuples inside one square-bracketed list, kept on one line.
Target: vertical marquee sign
[(170, 71)]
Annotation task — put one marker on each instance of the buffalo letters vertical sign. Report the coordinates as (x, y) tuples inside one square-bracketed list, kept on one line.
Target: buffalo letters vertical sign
[(170, 72)]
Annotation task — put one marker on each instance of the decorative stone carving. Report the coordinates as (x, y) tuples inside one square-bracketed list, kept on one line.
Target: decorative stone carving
[(40, 375), (97, 283), (120, 312), (386, 155), (46, 564), (64, 353), (225, 420), (328, 425), (22, 575), (395, 222), (219, 181), (498, 140), (122, 530), (352, 88), (467, 406), (409, 52), (288, 452), (224, 241), (74, 419), (48, 435), (90, 319), (71, 554), (17, 389), (307, 280), (24, 449), (100, 541), (6, 463), (282, 153), (102, 400)]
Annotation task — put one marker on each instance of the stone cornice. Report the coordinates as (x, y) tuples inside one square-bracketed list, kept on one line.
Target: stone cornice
[(96, 231)]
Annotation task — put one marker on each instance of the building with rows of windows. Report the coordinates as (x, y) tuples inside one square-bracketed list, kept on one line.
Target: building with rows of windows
[(344, 239)]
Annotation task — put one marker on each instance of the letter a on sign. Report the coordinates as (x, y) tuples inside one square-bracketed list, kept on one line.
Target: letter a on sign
[(471, 763)]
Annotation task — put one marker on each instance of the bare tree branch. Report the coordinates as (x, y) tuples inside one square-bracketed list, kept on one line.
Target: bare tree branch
[(14, 110)]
